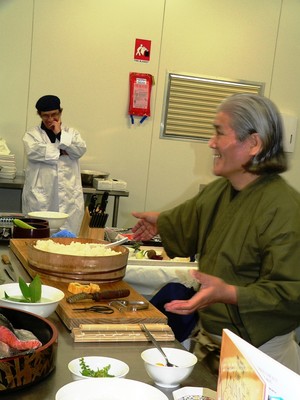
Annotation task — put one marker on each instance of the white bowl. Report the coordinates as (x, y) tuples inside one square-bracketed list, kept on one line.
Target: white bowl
[(47, 305), (55, 219), (117, 367), (109, 389), (164, 376)]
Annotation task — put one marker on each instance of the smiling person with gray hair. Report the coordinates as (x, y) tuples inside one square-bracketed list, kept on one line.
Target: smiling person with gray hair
[(245, 229)]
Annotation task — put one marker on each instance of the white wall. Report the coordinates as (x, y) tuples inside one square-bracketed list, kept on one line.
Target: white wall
[(83, 52)]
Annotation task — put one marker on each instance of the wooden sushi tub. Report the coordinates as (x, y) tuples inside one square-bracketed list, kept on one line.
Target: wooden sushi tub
[(85, 269)]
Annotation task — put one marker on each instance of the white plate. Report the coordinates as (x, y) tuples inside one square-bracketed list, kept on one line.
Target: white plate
[(109, 389)]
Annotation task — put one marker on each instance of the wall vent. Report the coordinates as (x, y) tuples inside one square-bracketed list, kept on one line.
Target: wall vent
[(190, 104)]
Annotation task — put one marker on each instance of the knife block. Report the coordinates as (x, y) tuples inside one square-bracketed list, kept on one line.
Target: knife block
[(89, 233)]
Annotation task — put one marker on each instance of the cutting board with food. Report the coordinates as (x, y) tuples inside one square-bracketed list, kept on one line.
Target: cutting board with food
[(129, 306), (80, 312)]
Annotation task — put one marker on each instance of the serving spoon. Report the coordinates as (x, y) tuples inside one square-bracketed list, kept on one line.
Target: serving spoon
[(116, 243), (153, 340), (111, 244)]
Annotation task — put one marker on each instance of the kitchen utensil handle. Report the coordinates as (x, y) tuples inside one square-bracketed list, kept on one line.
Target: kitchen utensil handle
[(5, 259), (104, 201), (104, 220), (111, 294), (152, 339), (92, 203), (98, 296)]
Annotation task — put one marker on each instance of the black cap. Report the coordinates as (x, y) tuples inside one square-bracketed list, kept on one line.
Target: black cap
[(48, 103)]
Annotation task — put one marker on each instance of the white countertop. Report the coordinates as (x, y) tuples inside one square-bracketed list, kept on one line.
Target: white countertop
[(148, 276)]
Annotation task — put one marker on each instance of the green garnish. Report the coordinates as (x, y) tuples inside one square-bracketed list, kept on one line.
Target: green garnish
[(136, 245), (99, 373), (32, 293)]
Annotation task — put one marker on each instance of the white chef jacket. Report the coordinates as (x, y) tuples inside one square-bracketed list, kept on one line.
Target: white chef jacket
[(52, 180)]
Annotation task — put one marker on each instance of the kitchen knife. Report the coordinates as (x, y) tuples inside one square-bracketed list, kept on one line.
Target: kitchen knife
[(99, 217), (10, 273), (92, 204), (99, 296), (104, 202)]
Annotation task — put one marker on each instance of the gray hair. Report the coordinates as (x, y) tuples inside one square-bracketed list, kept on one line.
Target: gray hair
[(250, 114)]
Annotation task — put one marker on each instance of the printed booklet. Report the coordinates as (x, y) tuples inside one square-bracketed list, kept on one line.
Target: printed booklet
[(246, 373)]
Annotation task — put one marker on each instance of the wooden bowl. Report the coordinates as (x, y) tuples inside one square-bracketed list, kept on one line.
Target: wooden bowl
[(41, 231), (20, 371), (31, 221), (68, 268)]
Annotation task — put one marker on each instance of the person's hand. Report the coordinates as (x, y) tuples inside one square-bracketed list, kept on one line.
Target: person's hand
[(56, 126), (146, 227), (212, 290)]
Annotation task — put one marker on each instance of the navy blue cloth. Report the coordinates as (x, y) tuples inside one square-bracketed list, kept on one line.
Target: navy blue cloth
[(48, 103), (182, 325)]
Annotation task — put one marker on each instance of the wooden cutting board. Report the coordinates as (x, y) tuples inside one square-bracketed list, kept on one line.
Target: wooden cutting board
[(73, 319)]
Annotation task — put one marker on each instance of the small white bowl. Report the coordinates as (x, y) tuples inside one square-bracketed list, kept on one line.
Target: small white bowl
[(117, 367), (164, 376), (47, 305), (55, 219)]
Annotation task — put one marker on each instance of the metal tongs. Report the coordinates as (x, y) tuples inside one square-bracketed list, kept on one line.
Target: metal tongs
[(126, 305)]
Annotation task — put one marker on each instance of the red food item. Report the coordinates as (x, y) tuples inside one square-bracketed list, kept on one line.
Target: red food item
[(157, 257), (129, 236), (9, 338)]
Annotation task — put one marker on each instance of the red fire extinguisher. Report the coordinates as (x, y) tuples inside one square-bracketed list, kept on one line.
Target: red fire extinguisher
[(140, 95)]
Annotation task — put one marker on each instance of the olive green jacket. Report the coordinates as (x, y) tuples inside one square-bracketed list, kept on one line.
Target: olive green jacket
[(252, 241)]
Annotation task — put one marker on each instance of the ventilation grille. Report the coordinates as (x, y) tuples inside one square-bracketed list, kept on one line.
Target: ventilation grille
[(191, 104)]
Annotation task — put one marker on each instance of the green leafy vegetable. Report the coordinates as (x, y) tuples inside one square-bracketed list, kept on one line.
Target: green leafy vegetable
[(32, 293), (136, 245), (24, 288), (22, 224), (99, 373), (35, 289)]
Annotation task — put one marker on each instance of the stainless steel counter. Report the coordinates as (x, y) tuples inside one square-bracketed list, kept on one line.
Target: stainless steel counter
[(67, 350), (18, 183)]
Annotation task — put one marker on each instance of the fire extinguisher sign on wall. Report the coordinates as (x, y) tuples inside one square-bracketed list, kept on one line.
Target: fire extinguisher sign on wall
[(140, 95), (142, 50)]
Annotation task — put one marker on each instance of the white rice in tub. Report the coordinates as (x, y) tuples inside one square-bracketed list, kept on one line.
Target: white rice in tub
[(75, 248)]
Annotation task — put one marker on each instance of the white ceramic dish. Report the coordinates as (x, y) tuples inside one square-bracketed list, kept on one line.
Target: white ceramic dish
[(55, 219), (117, 367), (164, 376), (109, 389), (49, 301)]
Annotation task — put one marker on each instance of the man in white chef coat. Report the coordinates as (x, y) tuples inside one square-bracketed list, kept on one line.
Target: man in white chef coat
[(52, 176)]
